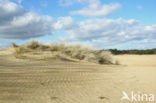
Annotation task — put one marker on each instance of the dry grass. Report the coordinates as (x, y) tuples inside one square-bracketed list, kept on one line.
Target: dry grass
[(78, 52), (105, 57), (33, 45), (14, 45), (117, 62)]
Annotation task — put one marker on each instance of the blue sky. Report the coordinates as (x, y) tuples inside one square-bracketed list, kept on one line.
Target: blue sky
[(104, 24)]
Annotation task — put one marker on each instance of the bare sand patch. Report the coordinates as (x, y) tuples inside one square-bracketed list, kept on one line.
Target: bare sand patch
[(55, 81)]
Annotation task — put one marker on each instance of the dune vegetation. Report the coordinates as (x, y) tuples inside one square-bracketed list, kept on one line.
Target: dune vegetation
[(133, 51), (63, 51)]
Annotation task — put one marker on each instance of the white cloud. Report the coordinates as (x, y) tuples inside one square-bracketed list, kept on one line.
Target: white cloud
[(96, 9), (107, 32), (44, 3), (139, 7), (93, 7), (64, 23), (17, 23), (19, 1), (71, 2), (66, 2)]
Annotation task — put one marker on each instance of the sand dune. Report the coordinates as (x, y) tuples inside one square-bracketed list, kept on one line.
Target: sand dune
[(55, 81)]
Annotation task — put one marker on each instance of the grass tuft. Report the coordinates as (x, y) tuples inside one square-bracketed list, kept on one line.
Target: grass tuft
[(33, 45), (105, 57), (117, 62), (14, 45), (19, 51), (78, 52)]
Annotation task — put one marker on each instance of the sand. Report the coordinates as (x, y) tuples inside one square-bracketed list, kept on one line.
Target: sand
[(55, 81)]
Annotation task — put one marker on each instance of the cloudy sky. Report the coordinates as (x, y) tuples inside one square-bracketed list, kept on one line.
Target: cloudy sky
[(121, 24)]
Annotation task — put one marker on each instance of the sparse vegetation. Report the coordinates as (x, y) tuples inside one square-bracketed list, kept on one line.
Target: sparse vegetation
[(117, 62), (19, 51), (14, 45), (140, 52), (105, 57), (77, 52), (33, 45)]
